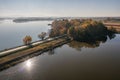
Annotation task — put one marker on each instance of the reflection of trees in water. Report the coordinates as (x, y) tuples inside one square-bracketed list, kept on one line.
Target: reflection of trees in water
[(51, 52), (78, 45), (111, 36)]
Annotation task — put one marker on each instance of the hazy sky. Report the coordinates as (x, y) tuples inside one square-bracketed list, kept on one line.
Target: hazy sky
[(75, 8)]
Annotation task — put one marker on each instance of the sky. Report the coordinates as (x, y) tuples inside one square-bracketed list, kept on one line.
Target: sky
[(59, 8)]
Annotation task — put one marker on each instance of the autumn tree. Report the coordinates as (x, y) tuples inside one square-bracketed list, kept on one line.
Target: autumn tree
[(27, 40), (79, 29)]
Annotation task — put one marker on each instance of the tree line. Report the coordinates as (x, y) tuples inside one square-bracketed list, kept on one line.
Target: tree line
[(85, 30), (80, 30)]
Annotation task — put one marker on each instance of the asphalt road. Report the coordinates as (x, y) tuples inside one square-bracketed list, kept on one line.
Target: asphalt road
[(23, 47)]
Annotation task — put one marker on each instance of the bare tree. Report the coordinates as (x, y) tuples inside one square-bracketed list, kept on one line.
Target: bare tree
[(42, 35)]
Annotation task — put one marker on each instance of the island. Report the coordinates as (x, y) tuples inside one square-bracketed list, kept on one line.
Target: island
[(85, 30)]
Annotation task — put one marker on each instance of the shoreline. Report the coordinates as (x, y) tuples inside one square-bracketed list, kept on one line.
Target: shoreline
[(20, 56)]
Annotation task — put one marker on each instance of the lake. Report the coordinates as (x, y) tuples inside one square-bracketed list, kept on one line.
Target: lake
[(72, 61), (12, 34)]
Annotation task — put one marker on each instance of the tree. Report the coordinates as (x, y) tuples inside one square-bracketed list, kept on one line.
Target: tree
[(80, 30), (27, 40), (42, 35)]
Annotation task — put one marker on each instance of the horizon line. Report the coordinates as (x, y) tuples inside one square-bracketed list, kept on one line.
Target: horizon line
[(54, 16)]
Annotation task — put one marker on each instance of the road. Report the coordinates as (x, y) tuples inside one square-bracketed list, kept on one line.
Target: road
[(112, 24), (24, 47), (12, 50)]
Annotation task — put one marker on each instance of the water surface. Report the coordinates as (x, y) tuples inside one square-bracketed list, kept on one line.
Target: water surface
[(72, 61), (12, 34)]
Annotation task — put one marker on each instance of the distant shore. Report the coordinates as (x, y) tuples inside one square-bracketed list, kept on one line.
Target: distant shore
[(20, 20), (28, 19)]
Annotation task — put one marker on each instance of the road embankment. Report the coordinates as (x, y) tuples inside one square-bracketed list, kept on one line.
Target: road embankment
[(20, 56)]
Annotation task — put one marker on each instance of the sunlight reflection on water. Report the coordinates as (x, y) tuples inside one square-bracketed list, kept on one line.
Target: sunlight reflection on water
[(28, 65)]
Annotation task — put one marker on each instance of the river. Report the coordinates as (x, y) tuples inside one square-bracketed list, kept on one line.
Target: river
[(72, 61)]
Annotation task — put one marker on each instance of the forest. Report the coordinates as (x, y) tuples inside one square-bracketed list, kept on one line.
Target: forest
[(84, 30)]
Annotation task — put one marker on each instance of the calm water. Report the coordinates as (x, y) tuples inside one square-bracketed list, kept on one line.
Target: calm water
[(12, 34), (73, 61)]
